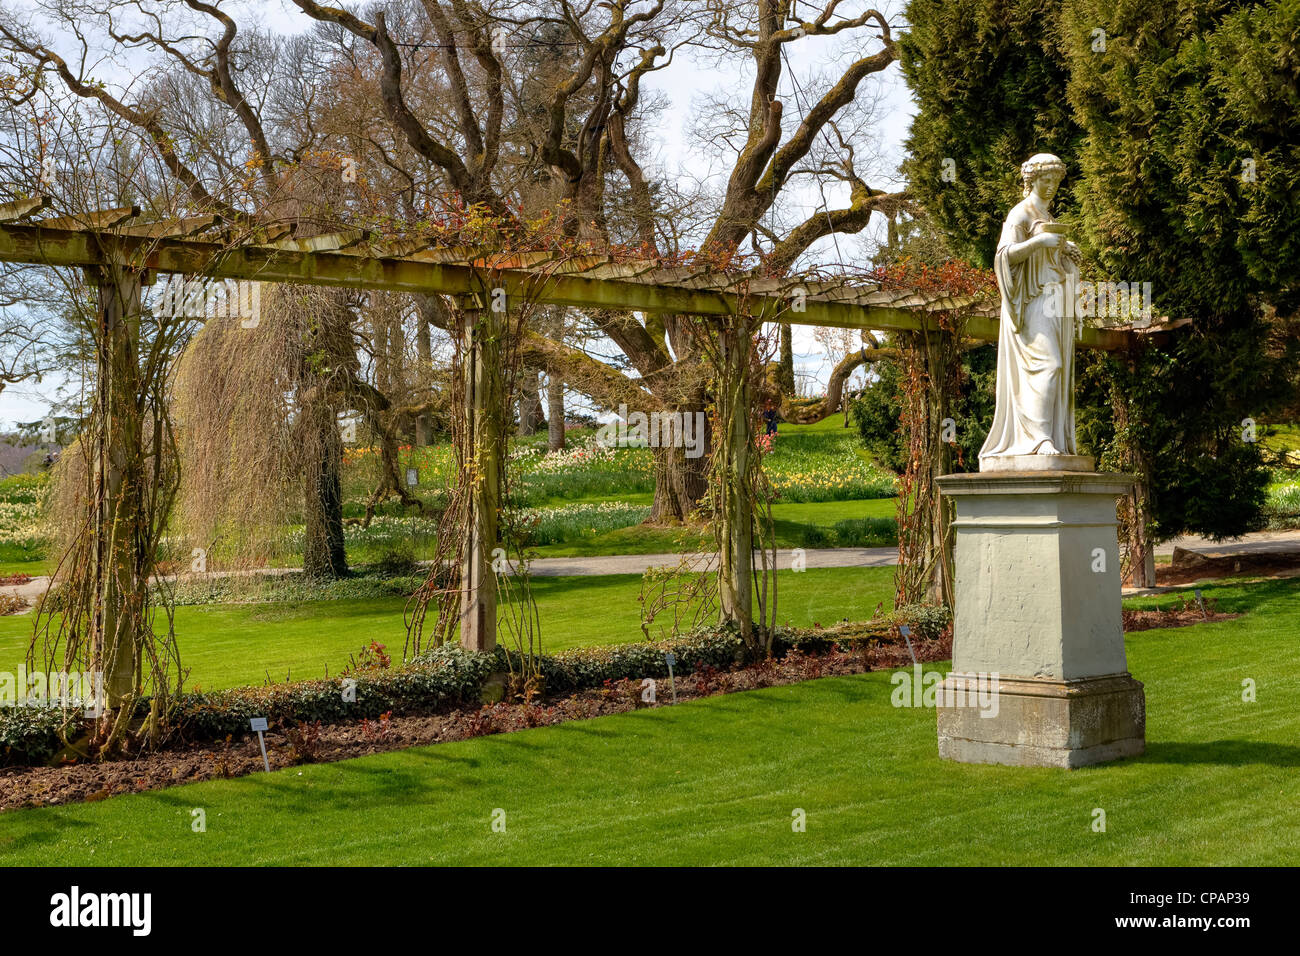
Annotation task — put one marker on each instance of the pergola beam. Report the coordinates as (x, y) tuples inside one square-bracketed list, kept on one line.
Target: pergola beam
[(99, 219), (22, 208), (38, 243), (177, 227)]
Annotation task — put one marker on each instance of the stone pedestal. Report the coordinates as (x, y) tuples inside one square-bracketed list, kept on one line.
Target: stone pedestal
[(1037, 619)]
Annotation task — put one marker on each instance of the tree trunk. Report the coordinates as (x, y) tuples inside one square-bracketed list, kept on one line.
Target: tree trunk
[(785, 370), (680, 482), (324, 555), (554, 412), (530, 402)]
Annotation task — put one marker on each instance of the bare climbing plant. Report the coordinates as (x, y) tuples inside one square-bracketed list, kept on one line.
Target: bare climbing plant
[(117, 484), (740, 496), (930, 360)]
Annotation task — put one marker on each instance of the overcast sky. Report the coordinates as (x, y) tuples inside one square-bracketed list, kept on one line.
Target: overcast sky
[(675, 152)]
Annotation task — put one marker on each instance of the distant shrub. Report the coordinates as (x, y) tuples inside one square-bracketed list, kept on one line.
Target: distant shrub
[(866, 532), (876, 413), (397, 559), (294, 587)]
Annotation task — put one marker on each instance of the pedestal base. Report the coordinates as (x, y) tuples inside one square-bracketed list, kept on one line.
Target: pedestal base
[(1036, 590), (1040, 722)]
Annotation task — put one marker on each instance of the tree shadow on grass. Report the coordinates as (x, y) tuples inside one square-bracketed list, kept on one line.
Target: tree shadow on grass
[(1226, 753), (54, 827), (1237, 597)]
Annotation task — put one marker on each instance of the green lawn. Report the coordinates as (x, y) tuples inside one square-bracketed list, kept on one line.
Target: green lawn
[(227, 645), (821, 474), (798, 524), (1284, 438), (716, 782), (32, 568)]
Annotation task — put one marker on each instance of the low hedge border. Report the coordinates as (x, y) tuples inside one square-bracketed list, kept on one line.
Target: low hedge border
[(450, 675)]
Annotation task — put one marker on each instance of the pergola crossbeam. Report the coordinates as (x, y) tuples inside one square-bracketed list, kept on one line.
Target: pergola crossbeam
[(655, 290), (190, 226), (108, 245), (99, 219), (22, 208), (329, 242), (620, 270)]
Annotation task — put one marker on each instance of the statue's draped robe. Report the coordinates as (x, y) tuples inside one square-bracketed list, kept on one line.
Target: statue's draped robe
[(1035, 383)]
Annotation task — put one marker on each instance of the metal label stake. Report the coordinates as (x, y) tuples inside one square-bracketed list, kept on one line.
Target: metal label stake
[(259, 724), (906, 631)]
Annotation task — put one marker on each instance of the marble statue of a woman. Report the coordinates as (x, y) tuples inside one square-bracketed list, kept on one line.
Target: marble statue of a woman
[(1035, 379)]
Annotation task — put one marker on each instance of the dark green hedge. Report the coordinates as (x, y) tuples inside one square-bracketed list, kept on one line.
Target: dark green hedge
[(30, 734)]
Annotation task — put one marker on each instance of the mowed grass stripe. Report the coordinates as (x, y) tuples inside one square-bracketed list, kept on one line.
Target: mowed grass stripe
[(714, 781)]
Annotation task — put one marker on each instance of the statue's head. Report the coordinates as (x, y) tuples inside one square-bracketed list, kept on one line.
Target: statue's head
[(1045, 167)]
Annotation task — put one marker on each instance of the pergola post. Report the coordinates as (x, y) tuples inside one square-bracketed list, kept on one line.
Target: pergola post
[(483, 331), (118, 480), (939, 346), (735, 448), (924, 516)]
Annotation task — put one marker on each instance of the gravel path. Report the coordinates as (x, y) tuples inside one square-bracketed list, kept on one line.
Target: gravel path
[(1258, 543)]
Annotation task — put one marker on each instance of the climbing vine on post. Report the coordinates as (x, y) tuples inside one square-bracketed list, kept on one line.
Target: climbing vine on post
[(479, 580), (931, 368), (120, 480), (740, 494)]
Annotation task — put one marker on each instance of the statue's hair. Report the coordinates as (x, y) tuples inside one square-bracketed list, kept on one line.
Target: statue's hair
[(1039, 163)]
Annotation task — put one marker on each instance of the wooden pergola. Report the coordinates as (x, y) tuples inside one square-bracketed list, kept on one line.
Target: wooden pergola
[(119, 246)]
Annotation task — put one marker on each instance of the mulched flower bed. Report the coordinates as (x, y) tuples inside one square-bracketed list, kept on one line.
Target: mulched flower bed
[(324, 743), (1191, 567), (1173, 617)]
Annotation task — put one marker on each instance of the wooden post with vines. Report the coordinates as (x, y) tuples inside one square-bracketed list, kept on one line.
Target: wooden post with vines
[(122, 475), (120, 479), (484, 331), (931, 362), (732, 467), (1139, 561)]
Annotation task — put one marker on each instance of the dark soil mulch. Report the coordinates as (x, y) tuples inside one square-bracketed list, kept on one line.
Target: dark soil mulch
[(323, 743), (1198, 567), (1173, 617)]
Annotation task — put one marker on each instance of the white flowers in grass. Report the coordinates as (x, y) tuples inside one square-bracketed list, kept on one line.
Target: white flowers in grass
[(21, 519), (584, 519), (1284, 499), (384, 529), (584, 454)]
